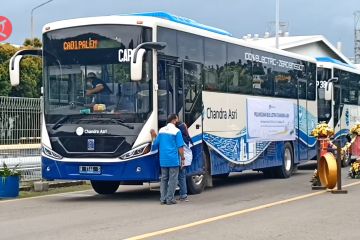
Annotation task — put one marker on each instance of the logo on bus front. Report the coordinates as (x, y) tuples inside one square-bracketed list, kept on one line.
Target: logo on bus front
[(5, 28), (91, 144), (79, 131)]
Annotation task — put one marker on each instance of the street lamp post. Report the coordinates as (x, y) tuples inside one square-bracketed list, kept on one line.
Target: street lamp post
[(32, 17), (277, 24)]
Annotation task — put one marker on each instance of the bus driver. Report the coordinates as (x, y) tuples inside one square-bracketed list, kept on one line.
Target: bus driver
[(99, 88)]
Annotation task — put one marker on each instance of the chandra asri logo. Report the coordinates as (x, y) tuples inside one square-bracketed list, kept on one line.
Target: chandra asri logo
[(5, 28)]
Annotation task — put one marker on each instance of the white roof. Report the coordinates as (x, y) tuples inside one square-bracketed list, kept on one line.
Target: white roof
[(296, 41)]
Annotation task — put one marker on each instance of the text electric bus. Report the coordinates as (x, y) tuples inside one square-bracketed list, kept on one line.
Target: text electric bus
[(247, 107), (341, 107)]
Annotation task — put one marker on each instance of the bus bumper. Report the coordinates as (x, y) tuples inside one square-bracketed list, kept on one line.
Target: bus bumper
[(144, 169)]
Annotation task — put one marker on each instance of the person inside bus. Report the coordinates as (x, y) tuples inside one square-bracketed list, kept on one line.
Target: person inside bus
[(98, 89), (188, 158), (170, 144)]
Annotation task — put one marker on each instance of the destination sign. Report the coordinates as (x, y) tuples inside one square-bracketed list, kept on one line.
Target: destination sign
[(80, 44)]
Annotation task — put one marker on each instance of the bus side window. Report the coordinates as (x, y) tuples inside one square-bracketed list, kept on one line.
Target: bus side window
[(239, 71)]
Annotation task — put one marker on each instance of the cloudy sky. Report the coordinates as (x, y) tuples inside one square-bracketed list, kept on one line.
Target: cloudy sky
[(332, 18)]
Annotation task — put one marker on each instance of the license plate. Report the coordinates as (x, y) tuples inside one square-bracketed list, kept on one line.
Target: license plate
[(90, 169)]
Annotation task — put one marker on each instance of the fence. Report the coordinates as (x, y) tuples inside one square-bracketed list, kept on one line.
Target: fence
[(20, 124)]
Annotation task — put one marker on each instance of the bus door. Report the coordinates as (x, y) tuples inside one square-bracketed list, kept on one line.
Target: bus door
[(170, 90), (193, 96), (192, 75), (325, 107), (302, 121)]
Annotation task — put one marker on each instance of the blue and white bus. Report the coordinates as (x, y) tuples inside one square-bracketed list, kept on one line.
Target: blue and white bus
[(344, 94), (246, 107)]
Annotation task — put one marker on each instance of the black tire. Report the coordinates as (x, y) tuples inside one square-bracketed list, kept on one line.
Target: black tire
[(345, 162), (287, 167), (105, 187), (196, 183)]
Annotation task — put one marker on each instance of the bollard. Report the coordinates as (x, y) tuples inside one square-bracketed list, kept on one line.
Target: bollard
[(338, 162)]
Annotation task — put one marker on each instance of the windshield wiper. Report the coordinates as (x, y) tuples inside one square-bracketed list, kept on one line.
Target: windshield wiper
[(122, 123), (118, 121), (60, 121)]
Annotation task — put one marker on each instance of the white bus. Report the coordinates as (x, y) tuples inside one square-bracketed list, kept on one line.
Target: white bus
[(344, 93), (246, 107)]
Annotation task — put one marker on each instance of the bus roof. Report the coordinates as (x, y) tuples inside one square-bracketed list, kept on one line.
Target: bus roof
[(331, 60), (163, 19), (181, 20)]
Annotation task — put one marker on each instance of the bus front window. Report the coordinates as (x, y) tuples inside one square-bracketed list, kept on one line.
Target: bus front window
[(87, 71)]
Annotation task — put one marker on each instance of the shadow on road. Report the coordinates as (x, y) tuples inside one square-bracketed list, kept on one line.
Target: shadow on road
[(143, 194), (124, 194), (309, 165)]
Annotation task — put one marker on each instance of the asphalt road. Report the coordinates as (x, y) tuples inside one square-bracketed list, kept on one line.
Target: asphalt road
[(244, 206)]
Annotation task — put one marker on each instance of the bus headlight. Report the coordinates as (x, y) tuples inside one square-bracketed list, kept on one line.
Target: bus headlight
[(141, 150), (50, 153)]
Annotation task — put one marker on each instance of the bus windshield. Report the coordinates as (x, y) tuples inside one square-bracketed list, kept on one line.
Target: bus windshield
[(87, 71)]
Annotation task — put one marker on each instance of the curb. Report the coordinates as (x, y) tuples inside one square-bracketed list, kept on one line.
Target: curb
[(54, 185)]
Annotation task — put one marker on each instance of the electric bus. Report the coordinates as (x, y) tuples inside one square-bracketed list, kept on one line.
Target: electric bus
[(246, 107), (340, 108)]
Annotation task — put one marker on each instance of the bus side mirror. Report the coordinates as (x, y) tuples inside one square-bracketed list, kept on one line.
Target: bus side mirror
[(328, 90), (136, 65), (14, 64), (138, 55), (14, 70)]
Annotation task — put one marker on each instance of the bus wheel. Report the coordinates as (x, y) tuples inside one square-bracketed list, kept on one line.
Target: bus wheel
[(346, 159), (287, 167), (196, 183), (105, 187)]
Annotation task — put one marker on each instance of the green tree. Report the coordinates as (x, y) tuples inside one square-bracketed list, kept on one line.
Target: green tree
[(36, 43), (30, 71), (30, 78), (6, 51)]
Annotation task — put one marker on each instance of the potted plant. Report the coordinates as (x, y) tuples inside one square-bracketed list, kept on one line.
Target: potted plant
[(9, 181)]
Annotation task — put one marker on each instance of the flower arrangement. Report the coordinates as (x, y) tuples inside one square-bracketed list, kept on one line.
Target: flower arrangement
[(347, 146), (355, 130), (354, 171), (322, 130)]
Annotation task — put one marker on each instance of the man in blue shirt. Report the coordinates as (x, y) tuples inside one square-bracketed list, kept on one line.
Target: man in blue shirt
[(170, 144)]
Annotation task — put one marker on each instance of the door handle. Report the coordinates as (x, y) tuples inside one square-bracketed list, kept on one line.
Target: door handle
[(197, 126)]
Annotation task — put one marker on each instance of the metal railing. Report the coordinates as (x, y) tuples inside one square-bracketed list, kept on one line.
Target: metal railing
[(20, 124)]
